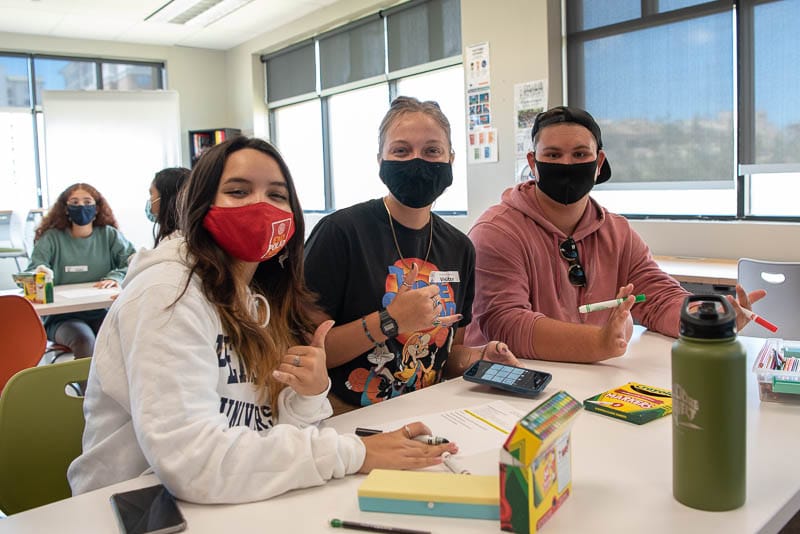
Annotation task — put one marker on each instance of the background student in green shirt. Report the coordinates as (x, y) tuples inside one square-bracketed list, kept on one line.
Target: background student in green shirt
[(79, 241)]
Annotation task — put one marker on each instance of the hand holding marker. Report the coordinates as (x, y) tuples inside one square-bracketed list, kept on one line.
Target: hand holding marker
[(422, 438), (449, 462), (607, 304)]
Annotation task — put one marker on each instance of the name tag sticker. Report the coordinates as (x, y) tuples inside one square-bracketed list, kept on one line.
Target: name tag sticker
[(76, 268), (441, 277)]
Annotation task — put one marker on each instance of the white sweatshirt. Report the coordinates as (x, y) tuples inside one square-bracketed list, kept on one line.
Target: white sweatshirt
[(167, 394)]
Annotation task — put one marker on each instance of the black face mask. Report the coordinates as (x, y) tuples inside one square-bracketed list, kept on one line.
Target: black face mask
[(416, 183), (566, 184)]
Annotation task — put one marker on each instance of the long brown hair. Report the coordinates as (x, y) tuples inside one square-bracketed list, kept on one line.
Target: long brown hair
[(280, 279), (57, 215)]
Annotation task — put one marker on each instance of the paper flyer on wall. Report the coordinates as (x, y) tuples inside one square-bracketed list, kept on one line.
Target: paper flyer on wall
[(482, 145), (477, 65), (480, 108), (530, 99)]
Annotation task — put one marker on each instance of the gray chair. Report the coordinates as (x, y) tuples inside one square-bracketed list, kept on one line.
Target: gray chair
[(781, 306), (11, 243)]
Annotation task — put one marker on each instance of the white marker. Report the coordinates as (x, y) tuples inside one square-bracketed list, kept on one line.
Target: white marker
[(453, 465), (607, 304)]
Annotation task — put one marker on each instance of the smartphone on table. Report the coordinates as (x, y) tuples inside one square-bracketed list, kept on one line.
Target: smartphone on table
[(517, 380), (151, 510)]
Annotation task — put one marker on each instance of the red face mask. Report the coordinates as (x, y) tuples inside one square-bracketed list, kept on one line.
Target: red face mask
[(251, 233)]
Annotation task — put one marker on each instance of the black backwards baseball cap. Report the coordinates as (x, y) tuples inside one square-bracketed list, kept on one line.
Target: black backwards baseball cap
[(578, 116)]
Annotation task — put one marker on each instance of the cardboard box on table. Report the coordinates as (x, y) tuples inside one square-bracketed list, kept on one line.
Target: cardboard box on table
[(536, 465)]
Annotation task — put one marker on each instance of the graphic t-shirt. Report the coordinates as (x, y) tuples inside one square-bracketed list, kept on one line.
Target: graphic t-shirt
[(353, 265)]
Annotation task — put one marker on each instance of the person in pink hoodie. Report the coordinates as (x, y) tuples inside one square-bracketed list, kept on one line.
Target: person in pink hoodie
[(548, 247)]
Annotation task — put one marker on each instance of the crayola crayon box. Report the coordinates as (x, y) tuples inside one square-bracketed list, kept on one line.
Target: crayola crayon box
[(637, 403), (536, 465)]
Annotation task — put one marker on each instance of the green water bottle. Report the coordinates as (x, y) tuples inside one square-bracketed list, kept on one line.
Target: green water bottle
[(709, 373)]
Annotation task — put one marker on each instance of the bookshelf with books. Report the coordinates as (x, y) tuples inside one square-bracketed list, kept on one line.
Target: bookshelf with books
[(199, 140)]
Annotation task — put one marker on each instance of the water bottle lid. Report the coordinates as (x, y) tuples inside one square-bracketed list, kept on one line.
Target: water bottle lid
[(707, 317)]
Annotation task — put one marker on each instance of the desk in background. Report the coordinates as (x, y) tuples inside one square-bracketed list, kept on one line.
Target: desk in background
[(702, 275), (622, 473), (73, 298)]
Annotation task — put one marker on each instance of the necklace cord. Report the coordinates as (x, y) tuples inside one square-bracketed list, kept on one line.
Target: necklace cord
[(397, 245)]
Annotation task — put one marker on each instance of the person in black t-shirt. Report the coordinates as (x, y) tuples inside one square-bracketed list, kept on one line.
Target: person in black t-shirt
[(397, 279)]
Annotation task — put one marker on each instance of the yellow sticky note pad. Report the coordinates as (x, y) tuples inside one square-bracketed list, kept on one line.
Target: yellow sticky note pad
[(430, 493)]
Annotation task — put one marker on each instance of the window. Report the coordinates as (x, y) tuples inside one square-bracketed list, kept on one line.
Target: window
[(355, 118), (300, 142), (131, 77), (63, 74), (23, 79), (689, 131), (339, 94)]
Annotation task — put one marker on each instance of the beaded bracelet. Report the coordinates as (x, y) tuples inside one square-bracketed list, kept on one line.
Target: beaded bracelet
[(366, 331)]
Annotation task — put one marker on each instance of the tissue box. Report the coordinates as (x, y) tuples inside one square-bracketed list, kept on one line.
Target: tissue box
[(536, 465), (430, 493)]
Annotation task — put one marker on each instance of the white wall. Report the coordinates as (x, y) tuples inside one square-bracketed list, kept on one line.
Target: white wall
[(199, 75)]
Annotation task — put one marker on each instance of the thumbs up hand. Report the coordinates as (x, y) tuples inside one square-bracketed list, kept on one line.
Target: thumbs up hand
[(303, 367)]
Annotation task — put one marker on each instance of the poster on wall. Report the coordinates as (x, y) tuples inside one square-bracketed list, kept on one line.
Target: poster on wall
[(480, 108), (482, 146), (477, 65), (530, 99)]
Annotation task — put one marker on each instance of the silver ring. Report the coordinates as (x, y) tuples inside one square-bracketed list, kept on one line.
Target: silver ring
[(296, 361), (407, 431), (406, 284)]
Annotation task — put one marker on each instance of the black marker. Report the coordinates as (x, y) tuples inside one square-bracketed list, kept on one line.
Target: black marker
[(338, 523), (367, 431)]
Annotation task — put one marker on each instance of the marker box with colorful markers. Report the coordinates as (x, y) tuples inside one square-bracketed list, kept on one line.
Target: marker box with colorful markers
[(777, 369), (536, 465), (633, 402)]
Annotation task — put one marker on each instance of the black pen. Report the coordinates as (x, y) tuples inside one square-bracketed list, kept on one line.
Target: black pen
[(338, 523)]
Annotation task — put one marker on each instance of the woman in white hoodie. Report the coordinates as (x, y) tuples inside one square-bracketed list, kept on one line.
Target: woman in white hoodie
[(207, 370)]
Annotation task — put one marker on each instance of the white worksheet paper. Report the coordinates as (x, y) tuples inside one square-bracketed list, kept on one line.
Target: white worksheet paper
[(477, 430)]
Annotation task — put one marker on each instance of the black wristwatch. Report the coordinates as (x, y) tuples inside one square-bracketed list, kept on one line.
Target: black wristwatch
[(388, 324)]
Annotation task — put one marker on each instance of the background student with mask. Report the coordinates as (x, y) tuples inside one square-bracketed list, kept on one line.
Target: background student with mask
[(79, 241), (548, 248), (161, 207), (397, 278)]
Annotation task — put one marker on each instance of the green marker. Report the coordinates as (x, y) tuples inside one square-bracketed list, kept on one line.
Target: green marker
[(606, 304)]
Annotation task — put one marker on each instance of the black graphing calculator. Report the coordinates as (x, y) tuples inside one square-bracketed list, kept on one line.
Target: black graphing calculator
[(518, 380)]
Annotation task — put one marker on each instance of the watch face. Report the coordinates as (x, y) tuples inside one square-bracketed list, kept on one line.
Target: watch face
[(388, 324)]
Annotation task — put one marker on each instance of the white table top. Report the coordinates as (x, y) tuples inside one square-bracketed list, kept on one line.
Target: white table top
[(622, 473), (70, 298)]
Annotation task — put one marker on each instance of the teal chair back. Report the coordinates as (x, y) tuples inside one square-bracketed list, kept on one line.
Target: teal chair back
[(41, 428)]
